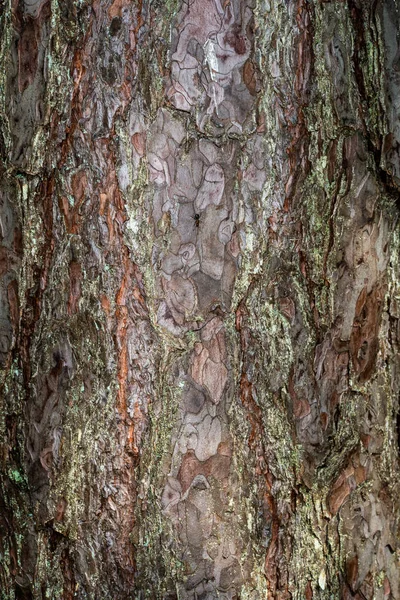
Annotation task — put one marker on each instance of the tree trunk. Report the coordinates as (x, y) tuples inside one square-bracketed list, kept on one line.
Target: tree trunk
[(200, 299)]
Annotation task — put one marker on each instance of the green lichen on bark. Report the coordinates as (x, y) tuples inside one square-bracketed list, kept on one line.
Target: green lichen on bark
[(159, 567)]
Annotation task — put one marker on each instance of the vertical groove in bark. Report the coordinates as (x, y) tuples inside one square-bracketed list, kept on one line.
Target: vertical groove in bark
[(199, 289)]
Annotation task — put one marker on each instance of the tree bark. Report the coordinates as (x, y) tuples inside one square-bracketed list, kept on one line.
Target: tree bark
[(200, 299)]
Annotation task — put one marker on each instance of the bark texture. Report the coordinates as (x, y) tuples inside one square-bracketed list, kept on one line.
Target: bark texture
[(199, 299)]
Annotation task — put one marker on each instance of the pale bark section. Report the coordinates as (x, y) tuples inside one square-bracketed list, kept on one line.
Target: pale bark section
[(199, 291)]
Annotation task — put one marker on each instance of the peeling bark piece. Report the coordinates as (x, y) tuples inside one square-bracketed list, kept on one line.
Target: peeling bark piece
[(198, 361), (33, 7), (364, 341), (193, 400), (216, 348), (212, 251), (230, 577), (186, 185), (208, 291), (352, 573), (181, 298), (139, 141), (188, 438), (215, 376), (171, 263), (250, 77), (212, 188), (228, 52), (185, 92), (166, 319), (338, 495), (217, 466), (255, 178), (225, 231), (211, 329), (209, 438), (197, 22), (187, 252)]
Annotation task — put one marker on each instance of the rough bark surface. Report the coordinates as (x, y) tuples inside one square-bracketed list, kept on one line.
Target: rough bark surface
[(199, 299)]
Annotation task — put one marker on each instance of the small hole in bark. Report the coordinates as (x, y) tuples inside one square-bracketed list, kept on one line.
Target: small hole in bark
[(363, 351), (115, 26), (22, 594), (389, 547)]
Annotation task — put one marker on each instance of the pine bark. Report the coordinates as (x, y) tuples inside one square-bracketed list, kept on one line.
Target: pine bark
[(199, 299)]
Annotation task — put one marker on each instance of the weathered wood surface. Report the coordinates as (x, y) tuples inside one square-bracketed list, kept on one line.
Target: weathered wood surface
[(200, 299)]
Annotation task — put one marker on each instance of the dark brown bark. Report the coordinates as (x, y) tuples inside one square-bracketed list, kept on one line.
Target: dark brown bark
[(199, 299)]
